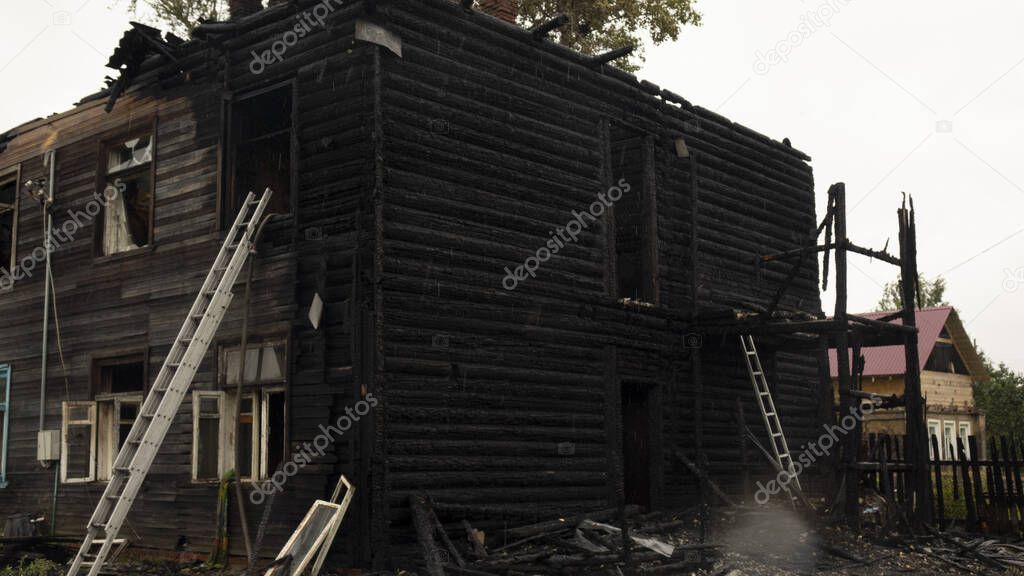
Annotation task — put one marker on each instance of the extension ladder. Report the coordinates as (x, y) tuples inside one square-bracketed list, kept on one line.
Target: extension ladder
[(157, 412), (771, 417)]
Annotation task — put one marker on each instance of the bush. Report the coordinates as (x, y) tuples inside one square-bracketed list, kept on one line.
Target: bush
[(37, 567)]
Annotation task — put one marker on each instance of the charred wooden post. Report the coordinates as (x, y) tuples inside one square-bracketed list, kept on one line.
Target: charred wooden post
[(696, 370), (612, 55), (847, 401), (741, 426), (917, 432), (541, 31)]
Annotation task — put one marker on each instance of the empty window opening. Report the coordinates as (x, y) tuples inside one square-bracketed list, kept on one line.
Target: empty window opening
[(636, 444), (260, 154), (633, 233), (260, 445), (128, 194), (8, 223), (94, 431), (945, 358), (273, 432), (118, 387)]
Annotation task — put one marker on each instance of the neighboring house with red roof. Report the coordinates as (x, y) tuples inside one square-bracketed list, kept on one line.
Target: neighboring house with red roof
[(950, 365)]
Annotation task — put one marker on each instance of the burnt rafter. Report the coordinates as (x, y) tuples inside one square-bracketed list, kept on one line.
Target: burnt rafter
[(137, 46), (612, 55), (542, 30)]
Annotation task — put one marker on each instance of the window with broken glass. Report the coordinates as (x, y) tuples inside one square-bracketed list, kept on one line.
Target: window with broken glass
[(260, 445), (91, 443), (127, 193)]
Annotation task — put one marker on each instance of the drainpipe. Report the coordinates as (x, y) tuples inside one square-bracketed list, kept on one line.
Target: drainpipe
[(48, 160)]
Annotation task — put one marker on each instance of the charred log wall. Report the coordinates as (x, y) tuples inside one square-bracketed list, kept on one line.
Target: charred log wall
[(497, 399)]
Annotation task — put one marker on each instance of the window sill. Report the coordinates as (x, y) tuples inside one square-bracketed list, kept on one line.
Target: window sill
[(126, 255)]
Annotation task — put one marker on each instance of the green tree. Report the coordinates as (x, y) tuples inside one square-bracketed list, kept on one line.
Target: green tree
[(181, 16), (932, 293), (596, 26), (1001, 399)]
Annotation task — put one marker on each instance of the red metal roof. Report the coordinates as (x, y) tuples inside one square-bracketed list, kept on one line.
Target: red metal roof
[(890, 360)]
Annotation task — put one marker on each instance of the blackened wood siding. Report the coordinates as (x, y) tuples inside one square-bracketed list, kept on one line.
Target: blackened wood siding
[(492, 141), (137, 303)]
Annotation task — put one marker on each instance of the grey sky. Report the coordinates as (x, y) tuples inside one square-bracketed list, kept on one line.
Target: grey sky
[(914, 96)]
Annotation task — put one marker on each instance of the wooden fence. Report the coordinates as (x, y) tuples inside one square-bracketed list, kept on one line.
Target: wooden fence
[(981, 493)]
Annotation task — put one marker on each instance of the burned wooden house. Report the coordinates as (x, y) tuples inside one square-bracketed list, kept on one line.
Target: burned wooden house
[(481, 281)]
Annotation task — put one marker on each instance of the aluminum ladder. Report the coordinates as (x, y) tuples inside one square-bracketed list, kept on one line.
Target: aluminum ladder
[(780, 448), (157, 412)]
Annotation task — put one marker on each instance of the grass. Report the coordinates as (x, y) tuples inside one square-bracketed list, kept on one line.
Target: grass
[(36, 567)]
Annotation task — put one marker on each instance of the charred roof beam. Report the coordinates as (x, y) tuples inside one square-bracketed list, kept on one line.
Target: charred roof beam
[(541, 31), (612, 55)]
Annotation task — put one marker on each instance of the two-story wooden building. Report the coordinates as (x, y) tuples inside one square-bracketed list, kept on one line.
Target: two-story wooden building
[(420, 154)]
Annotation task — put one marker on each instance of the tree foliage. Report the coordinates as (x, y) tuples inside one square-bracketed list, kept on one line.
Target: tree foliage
[(181, 16), (932, 293), (1001, 399), (596, 26)]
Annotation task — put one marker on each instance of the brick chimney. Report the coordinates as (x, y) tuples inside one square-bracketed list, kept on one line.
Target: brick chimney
[(242, 8), (507, 10)]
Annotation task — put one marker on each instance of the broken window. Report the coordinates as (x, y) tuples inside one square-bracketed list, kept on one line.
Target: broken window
[(78, 442), (261, 439), (264, 364), (118, 390), (208, 431), (634, 217), (8, 222), (127, 194), (260, 150), (272, 432), (5, 394)]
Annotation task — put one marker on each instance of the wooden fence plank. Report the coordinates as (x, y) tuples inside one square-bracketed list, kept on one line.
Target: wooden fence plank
[(979, 491), (939, 496), (972, 511)]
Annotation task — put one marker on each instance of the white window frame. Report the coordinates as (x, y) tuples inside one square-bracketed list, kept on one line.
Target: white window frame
[(254, 457), (108, 427), (197, 397), (960, 434), (948, 434), (264, 435), (935, 429), (66, 423)]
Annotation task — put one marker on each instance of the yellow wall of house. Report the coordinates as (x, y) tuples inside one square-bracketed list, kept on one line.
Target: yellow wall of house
[(938, 388), (949, 399)]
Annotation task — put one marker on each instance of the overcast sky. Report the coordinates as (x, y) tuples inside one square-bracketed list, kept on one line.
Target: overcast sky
[(889, 97)]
